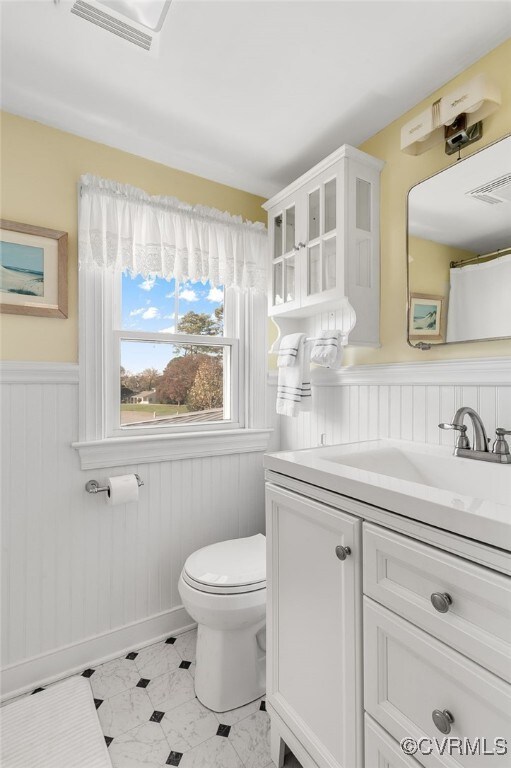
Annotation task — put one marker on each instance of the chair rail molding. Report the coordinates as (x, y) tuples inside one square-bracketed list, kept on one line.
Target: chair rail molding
[(21, 372), (490, 371)]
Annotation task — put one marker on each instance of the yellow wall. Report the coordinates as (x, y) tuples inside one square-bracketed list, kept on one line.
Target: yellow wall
[(401, 172), (39, 169)]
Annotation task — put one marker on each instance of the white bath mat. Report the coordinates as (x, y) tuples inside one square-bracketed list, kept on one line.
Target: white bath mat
[(55, 728)]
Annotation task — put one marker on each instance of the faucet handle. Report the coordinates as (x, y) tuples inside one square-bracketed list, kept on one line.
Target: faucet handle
[(500, 445), (462, 441)]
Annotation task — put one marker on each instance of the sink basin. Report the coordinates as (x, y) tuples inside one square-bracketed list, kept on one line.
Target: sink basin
[(423, 482), (434, 469)]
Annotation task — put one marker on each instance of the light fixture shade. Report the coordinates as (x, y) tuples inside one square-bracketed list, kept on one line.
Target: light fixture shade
[(478, 98), (420, 133)]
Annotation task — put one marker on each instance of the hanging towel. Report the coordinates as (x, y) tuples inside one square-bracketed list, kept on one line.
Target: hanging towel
[(294, 384), (327, 350), (288, 350)]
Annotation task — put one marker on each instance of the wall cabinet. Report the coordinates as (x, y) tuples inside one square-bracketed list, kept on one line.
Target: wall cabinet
[(324, 242), (428, 632)]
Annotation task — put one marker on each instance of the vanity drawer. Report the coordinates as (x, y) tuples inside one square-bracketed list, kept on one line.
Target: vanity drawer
[(381, 750), (409, 674), (402, 574)]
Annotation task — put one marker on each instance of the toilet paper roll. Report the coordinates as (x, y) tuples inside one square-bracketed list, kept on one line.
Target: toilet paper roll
[(122, 489)]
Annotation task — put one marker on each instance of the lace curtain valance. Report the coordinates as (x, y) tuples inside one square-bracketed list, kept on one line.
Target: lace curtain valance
[(121, 227)]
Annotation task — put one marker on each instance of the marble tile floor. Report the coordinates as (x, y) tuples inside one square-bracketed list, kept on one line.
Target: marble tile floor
[(151, 718)]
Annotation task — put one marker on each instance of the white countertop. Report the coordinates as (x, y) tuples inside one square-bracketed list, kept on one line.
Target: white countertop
[(464, 496)]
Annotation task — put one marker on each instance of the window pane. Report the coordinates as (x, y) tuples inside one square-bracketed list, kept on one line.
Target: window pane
[(148, 304), (154, 304), (166, 384), (201, 309)]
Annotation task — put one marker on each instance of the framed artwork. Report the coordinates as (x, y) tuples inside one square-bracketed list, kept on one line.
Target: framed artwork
[(425, 317), (33, 270)]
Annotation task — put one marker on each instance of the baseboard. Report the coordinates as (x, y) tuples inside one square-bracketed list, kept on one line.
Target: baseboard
[(72, 659)]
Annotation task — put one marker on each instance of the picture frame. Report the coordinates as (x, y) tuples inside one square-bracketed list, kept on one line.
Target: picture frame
[(33, 270), (425, 317)]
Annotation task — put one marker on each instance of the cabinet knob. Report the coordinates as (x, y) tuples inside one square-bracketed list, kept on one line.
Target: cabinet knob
[(442, 720), (442, 601), (342, 552)]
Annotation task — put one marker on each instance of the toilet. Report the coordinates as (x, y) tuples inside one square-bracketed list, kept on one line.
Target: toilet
[(223, 588)]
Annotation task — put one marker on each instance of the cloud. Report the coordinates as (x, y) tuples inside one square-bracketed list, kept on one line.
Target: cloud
[(148, 284), (171, 329), (216, 295), (150, 313), (135, 312), (170, 295), (186, 294)]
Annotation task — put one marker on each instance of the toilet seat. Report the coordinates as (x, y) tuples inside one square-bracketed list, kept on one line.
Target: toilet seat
[(229, 567)]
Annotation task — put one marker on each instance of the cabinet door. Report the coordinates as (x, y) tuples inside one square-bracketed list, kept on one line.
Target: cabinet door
[(323, 274), (284, 223), (314, 643)]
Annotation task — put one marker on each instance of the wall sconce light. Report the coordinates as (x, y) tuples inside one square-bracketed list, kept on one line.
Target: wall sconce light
[(455, 117)]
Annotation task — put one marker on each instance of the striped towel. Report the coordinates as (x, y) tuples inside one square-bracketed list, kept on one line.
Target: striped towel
[(327, 350), (288, 350), (294, 384)]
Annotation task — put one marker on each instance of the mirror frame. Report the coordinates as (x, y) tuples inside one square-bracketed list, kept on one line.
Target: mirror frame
[(424, 345)]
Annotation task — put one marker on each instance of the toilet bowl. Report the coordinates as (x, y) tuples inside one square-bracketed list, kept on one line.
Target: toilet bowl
[(223, 588)]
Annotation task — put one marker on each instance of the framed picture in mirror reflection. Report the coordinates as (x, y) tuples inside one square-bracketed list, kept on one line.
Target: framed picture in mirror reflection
[(425, 317)]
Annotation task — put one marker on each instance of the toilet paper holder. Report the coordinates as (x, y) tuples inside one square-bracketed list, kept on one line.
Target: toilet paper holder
[(92, 486)]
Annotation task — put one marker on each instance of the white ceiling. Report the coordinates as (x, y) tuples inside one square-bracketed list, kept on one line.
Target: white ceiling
[(250, 93)]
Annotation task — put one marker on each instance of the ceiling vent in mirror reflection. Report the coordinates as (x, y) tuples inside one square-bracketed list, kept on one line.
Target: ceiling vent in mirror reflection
[(494, 192)]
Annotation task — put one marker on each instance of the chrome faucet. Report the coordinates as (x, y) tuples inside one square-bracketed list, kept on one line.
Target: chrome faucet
[(500, 449)]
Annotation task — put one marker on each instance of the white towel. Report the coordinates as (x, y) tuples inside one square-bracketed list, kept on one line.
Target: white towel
[(294, 384), (288, 350), (327, 350)]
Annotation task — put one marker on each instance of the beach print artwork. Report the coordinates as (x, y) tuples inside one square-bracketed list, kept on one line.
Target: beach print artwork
[(21, 269), (424, 317)]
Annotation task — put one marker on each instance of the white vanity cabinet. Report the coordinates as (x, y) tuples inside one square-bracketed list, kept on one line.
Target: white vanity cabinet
[(314, 679), (401, 638), (324, 241)]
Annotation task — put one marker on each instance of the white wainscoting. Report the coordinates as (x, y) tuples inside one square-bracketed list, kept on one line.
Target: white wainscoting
[(82, 581), (404, 401)]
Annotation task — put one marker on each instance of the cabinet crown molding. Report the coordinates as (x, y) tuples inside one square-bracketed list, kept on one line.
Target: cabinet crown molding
[(345, 151)]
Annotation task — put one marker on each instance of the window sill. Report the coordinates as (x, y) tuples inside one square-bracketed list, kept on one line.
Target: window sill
[(121, 451)]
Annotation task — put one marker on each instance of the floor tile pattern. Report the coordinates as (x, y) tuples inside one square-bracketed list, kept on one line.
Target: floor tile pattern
[(151, 717)]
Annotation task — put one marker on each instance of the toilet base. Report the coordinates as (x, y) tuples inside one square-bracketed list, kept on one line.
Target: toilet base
[(231, 666)]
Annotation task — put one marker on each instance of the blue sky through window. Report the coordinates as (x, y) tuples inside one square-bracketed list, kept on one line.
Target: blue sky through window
[(149, 304)]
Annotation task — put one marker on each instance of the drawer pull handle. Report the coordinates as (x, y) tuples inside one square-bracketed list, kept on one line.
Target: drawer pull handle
[(443, 720), (342, 552), (441, 601)]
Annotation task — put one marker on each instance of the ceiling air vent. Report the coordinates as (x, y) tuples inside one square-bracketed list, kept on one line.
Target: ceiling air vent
[(494, 192), (112, 24)]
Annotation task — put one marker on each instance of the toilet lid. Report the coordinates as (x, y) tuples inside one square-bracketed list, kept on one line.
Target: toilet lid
[(238, 563)]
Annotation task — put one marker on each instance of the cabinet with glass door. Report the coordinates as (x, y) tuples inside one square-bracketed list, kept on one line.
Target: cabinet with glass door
[(324, 242)]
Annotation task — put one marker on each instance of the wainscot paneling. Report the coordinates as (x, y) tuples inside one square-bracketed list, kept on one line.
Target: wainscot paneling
[(403, 401), (82, 581)]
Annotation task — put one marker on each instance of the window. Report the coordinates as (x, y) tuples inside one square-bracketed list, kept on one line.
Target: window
[(169, 369), (179, 362)]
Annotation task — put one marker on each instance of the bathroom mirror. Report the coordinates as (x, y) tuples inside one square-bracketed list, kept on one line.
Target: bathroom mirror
[(459, 251)]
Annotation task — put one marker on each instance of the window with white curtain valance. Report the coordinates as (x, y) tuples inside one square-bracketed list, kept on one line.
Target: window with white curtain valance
[(130, 244), (123, 228)]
